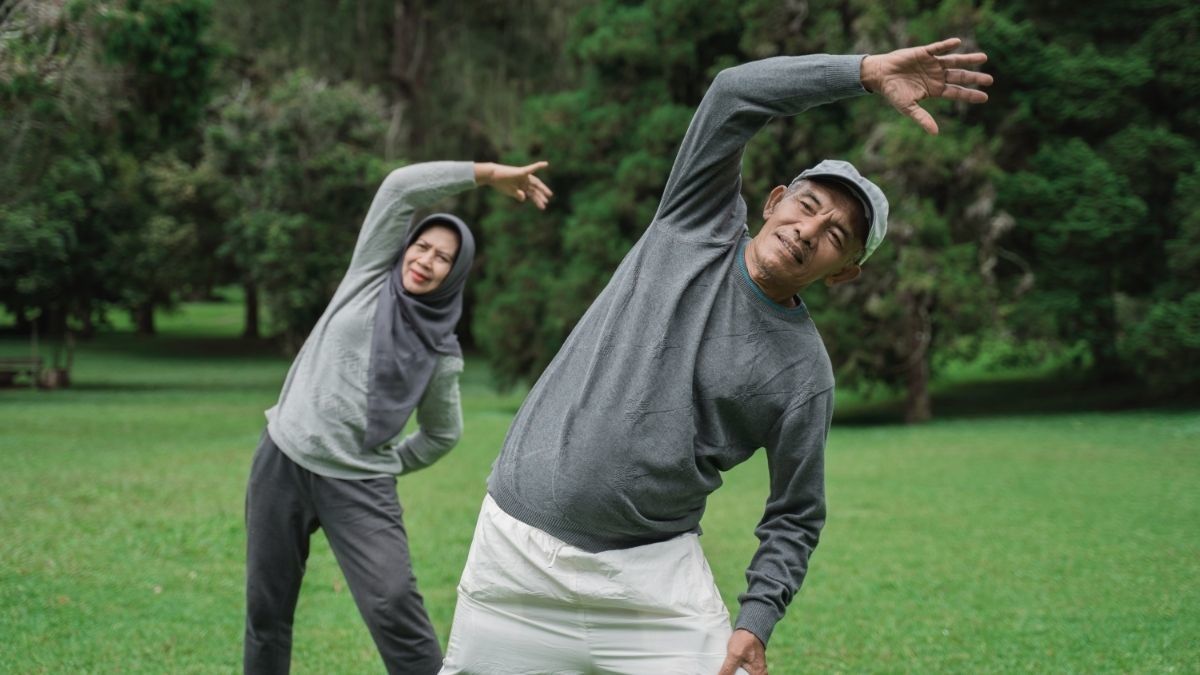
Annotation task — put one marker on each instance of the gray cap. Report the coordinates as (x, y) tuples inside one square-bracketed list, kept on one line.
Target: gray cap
[(875, 205)]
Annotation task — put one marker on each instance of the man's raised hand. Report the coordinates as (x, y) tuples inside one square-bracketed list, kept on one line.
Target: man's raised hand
[(518, 182), (907, 76)]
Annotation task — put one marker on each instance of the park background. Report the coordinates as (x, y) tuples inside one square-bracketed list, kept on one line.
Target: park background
[(1013, 467)]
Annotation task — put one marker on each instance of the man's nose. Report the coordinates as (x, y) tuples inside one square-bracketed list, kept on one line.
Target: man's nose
[(804, 235)]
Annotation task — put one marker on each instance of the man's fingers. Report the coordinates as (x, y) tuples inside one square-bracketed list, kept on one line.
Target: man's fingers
[(536, 166), (921, 117), (943, 45), (729, 667), (963, 60), (968, 78), (956, 93)]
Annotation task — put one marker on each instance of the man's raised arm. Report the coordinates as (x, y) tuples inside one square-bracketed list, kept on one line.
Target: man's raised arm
[(702, 197)]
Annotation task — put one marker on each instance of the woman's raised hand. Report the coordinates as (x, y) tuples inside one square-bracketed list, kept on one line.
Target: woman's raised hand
[(518, 182)]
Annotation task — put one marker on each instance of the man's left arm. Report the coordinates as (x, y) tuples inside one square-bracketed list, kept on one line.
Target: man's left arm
[(789, 529)]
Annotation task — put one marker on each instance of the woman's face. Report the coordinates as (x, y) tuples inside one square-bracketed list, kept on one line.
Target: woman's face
[(429, 259)]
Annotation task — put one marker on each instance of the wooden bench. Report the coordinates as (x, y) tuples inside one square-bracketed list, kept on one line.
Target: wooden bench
[(12, 367)]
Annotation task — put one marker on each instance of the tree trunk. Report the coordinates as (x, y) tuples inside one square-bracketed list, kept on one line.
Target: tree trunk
[(918, 327), (362, 28), (1107, 365), (251, 326), (88, 321), (408, 56), (143, 318)]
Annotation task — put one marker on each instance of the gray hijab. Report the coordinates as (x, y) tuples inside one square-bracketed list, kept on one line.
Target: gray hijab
[(410, 333)]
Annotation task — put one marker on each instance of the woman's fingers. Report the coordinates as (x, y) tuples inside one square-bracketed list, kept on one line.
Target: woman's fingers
[(540, 186)]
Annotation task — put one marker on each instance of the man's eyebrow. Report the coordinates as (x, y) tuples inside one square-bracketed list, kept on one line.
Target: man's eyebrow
[(807, 192)]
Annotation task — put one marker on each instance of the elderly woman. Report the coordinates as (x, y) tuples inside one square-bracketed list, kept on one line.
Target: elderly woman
[(384, 348)]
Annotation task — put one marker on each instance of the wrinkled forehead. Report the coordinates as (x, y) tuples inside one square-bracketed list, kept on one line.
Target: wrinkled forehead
[(441, 236)]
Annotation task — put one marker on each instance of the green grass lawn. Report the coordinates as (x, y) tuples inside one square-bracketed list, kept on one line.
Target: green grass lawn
[(1031, 538)]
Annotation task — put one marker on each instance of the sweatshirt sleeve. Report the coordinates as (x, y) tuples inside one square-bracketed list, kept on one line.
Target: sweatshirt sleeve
[(403, 192), (702, 199), (439, 419), (793, 517)]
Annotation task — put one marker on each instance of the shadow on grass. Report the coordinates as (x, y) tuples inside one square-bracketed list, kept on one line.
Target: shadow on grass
[(1033, 395)]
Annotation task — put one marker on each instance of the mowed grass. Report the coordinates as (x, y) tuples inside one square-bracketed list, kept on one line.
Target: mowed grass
[(1064, 542)]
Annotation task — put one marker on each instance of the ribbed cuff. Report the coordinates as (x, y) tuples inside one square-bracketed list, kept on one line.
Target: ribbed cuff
[(843, 76), (758, 618)]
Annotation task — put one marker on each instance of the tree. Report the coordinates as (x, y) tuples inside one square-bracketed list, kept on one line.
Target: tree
[(1099, 129), (90, 92), (1163, 337), (289, 171), (53, 112), (164, 61)]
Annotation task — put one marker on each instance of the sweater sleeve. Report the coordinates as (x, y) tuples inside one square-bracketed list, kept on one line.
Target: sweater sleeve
[(702, 198), (439, 419), (793, 517), (403, 192)]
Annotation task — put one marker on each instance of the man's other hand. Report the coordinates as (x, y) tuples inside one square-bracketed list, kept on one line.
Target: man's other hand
[(745, 651)]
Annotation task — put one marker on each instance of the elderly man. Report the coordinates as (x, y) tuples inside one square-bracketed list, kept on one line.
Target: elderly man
[(697, 353)]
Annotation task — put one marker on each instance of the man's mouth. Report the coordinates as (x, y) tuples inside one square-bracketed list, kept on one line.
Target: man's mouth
[(791, 247)]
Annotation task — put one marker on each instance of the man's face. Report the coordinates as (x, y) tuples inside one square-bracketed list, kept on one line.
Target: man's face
[(811, 233), (429, 259)]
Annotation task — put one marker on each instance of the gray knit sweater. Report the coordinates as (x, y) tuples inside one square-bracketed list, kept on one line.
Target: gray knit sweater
[(682, 368), (321, 416)]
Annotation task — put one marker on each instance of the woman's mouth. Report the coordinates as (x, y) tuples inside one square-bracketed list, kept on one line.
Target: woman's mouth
[(417, 277)]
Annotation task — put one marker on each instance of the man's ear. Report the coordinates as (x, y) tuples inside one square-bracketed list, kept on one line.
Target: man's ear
[(848, 273), (773, 200)]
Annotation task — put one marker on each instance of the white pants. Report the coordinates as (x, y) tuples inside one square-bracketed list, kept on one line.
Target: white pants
[(530, 603)]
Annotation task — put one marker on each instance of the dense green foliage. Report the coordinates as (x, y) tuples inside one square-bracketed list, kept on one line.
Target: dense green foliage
[(286, 175), (92, 94), (1030, 542), (1100, 134), (157, 149)]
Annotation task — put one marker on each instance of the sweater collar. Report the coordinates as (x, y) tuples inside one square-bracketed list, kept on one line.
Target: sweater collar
[(742, 275)]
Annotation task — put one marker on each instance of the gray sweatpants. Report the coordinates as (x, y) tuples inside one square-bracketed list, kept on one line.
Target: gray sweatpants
[(285, 504)]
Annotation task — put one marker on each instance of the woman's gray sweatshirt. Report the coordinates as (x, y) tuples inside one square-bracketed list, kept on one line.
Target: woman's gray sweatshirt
[(321, 417), (682, 368)]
